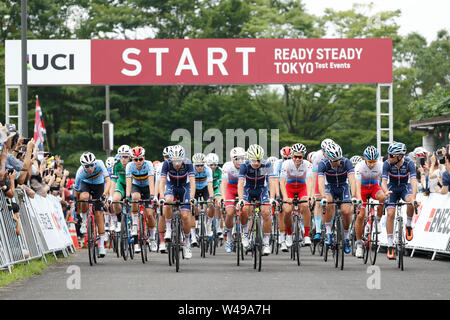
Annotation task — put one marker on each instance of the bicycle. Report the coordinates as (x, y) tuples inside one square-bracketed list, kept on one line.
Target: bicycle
[(92, 231), (202, 238), (256, 235), (298, 232), (176, 243), (337, 231), (370, 233), (352, 233), (399, 235), (237, 234), (143, 232), (275, 234), (126, 240)]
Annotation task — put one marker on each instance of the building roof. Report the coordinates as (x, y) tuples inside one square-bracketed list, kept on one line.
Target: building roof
[(429, 123)]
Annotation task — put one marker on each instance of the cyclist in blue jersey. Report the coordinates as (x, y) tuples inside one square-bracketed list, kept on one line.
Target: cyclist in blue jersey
[(140, 185), (203, 189), (92, 180), (336, 170), (398, 181), (253, 185), (178, 180)]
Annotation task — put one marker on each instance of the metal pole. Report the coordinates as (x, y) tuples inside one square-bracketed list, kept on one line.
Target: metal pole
[(108, 152), (23, 119)]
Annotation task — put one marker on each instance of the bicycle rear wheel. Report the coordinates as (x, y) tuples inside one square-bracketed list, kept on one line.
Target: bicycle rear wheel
[(340, 242), (297, 244), (177, 244), (366, 240), (202, 237), (124, 238), (400, 243), (143, 237), (259, 244)]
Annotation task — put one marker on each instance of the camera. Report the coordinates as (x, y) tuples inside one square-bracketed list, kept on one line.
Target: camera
[(47, 154), (422, 161), (26, 140)]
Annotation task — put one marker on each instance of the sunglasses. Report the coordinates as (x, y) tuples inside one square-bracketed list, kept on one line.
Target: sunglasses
[(334, 161), (138, 159), (239, 159), (124, 157), (177, 161), (392, 155), (88, 166), (287, 158), (372, 161), (255, 161), (213, 165), (199, 165), (298, 157)]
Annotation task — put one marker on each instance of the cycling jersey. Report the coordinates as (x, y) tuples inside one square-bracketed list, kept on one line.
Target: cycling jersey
[(277, 167), (97, 177), (140, 177), (369, 177), (296, 176), (335, 178), (256, 178), (230, 172), (317, 157), (399, 175), (203, 178), (119, 173), (178, 177), (217, 181)]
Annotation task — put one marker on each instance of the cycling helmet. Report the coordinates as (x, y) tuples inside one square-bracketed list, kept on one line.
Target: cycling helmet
[(310, 156), (137, 152), (87, 158), (397, 149), (325, 142), (255, 152), (176, 152), (420, 152), (355, 160), (298, 148), (237, 152), (166, 150), (212, 158), (371, 153), (198, 158), (333, 151), (110, 161), (272, 160), (124, 149), (286, 152)]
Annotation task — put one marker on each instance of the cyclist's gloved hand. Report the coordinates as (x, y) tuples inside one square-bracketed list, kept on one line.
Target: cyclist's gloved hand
[(273, 202), (323, 202), (241, 203), (355, 201), (193, 201), (162, 201)]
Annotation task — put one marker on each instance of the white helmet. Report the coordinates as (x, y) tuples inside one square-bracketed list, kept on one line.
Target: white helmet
[(198, 158), (333, 151), (176, 152), (326, 142), (310, 156), (237, 153), (110, 161), (255, 152), (87, 158), (355, 160), (166, 150), (212, 158), (298, 148), (272, 160), (124, 149)]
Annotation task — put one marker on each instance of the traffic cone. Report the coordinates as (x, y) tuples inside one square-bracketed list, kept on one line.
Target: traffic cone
[(73, 232)]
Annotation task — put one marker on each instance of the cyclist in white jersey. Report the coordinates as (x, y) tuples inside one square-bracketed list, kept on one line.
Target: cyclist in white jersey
[(230, 178), (296, 179)]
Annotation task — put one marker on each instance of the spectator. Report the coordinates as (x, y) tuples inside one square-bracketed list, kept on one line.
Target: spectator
[(446, 174), (431, 173)]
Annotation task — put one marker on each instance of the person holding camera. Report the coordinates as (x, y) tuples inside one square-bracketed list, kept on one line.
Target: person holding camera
[(446, 174)]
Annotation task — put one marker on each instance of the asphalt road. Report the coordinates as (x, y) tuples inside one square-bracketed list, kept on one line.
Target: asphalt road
[(218, 277)]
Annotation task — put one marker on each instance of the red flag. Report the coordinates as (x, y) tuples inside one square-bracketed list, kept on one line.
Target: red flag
[(39, 127)]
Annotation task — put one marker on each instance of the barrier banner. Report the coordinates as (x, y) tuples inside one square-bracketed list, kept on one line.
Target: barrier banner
[(201, 61), (431, 225)]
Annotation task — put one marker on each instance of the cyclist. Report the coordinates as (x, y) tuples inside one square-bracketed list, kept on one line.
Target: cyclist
[(252, 184), (140, 185), (203, 189), (335, 170), (316, 158), (229, 185), (119, 182), (296, 179), (212, 161), (109, 221), (368, 177), (286, 154), (398, 181), (92, 178), (160, 194), (177, 174)]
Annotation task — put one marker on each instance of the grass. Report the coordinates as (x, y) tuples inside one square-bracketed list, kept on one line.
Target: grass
[(22, 271)]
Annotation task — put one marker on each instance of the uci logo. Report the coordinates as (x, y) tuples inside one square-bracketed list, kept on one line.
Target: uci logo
[(58, 61)]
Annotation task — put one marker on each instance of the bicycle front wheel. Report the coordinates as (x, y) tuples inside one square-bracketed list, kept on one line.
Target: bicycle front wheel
[(91, 240), (142, 238), (373, 248)]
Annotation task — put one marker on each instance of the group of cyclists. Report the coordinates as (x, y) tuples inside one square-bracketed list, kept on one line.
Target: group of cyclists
[(321, 176)]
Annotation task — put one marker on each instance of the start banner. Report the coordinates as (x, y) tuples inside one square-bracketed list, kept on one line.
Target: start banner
[(201, 61)]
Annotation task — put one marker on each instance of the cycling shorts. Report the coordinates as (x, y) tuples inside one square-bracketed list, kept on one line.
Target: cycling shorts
[(300, 190), (398, 191), (369, 191)]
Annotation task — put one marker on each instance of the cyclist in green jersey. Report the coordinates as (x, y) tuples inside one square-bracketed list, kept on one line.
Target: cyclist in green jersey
[(212, 160), (119, 179)]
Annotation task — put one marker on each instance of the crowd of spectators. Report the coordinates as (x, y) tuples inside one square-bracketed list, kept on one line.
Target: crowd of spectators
[(23, 166)]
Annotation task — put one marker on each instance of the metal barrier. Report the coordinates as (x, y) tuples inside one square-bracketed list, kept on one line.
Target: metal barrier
[(30, 243)]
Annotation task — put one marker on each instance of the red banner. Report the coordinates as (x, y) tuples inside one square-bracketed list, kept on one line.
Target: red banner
[(240, 61)]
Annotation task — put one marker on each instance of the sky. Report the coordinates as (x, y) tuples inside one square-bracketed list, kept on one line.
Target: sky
[(425, 17)]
